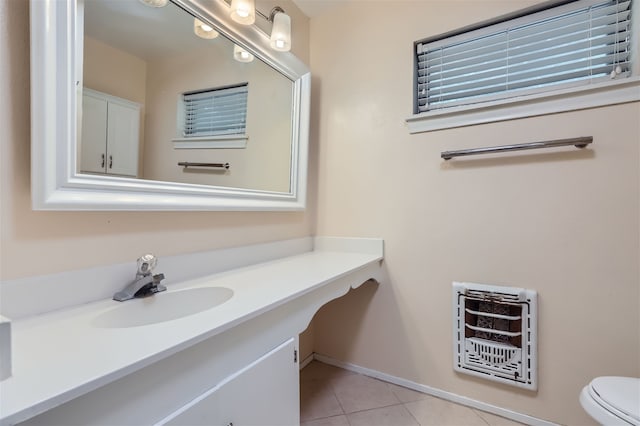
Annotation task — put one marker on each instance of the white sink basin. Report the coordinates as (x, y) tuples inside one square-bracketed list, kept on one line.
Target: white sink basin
[(161, 307)]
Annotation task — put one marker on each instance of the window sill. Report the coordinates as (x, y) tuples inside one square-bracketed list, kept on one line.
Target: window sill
[(596, 95), (211, 142)]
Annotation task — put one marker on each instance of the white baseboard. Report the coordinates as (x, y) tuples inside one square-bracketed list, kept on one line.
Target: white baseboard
[(458, 399), (306, 361)]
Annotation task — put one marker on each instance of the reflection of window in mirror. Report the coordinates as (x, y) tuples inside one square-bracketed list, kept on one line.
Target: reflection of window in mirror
[(209, 117)]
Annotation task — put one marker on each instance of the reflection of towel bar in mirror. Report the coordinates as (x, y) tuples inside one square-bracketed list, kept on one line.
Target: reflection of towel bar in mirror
[(580, 142), (186, 164)]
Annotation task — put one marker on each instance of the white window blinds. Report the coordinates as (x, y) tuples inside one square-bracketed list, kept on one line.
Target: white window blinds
[(215, 112), (577, 43)]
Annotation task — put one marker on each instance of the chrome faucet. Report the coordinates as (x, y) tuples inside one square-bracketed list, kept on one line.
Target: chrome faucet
[(145, 284)]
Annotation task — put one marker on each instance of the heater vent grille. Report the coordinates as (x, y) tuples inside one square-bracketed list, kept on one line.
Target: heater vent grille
[(495, 333)]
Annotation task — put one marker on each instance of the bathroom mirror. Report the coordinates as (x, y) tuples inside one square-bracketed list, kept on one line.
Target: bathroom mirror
[(76, 82)]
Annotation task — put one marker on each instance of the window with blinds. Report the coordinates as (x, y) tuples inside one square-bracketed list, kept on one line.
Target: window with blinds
[(215, 112), (576, 43)]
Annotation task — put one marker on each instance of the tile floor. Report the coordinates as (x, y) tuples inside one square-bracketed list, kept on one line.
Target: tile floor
[(331, 396)]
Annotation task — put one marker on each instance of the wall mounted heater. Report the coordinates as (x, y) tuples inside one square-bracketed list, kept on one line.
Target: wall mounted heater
[(495, 333)]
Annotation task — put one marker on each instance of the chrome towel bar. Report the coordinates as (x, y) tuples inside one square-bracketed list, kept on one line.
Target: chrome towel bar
[(186, 164), (580, 142)]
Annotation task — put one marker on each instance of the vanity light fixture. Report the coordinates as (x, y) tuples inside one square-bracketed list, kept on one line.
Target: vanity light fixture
[(204, 30), (243, 11), (155, 3), (241, 55), (281, 30)]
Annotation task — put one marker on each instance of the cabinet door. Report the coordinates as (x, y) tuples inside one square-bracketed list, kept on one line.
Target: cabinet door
[(123, 132), (264, 393), (93, 142)]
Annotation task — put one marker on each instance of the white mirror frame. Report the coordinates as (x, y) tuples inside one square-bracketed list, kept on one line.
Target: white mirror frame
[(55, 184)]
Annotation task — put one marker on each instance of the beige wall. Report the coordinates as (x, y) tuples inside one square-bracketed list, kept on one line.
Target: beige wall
[(114, 72), (563, 223), (34, 243)]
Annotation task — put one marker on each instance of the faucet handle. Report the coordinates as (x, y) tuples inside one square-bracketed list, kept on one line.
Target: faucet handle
[(146, 264)]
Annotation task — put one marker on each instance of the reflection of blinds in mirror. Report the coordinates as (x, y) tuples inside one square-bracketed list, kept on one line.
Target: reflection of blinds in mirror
[(212, 112)]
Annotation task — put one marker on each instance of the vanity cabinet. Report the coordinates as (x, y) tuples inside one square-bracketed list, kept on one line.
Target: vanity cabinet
[(235, 363), (219, 382), (110, 135), (265, 392)]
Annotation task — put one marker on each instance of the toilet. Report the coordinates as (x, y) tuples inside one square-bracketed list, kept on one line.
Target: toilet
[(613, 400)]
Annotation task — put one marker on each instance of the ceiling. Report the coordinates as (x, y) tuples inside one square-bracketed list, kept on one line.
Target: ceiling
[(146, 32), (132, 27), (314, 8)]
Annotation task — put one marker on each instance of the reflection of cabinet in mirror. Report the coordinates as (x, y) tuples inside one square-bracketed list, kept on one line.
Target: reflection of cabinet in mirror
[(110, 134)]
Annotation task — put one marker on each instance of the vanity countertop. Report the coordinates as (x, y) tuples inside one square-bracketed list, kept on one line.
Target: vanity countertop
[(61, 355)]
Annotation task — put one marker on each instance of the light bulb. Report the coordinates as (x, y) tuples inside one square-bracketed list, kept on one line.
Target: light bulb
[(243, 11), (203, 30), (155, 3), (241, 55), (281, 32)]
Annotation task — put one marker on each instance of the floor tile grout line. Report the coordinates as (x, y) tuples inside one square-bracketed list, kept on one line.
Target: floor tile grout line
[(390, 386), (374, 408), (330, 388), (404, 404), (346, 416), (475, 410), (333, 391), (481, 418), (399, 402), (328, 417)]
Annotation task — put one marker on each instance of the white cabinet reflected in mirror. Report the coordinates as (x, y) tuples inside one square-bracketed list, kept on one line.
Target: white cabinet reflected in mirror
[(137, 92)]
